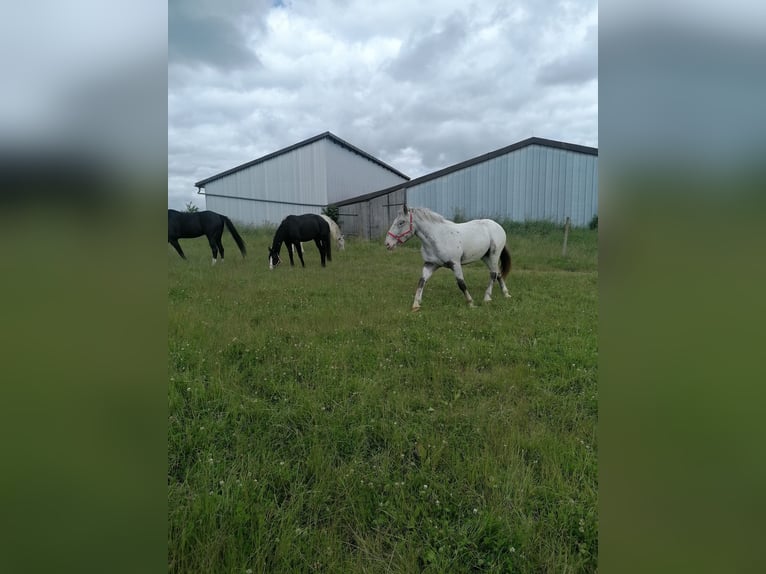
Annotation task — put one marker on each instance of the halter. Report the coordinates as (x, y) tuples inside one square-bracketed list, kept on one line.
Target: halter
[(399, 237)]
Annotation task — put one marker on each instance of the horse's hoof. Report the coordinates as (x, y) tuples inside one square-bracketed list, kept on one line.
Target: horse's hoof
[(415, 309), (507, 295)]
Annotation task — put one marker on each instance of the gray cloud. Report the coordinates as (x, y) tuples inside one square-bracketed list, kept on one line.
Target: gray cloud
[(200, 34), (421, 86), (212, 41), (425, 54), (575, 67)]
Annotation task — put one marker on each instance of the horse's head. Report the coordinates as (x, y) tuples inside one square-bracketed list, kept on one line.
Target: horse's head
[(401, 229), (274, 259)]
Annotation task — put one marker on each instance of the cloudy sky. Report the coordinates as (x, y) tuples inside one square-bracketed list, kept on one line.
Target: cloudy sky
[(420, 85)]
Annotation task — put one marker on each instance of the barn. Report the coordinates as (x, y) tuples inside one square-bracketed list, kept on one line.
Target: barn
[(534, 179), (302, 178)]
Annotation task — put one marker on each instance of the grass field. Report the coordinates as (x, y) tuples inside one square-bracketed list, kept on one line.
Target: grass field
[(317, 425)]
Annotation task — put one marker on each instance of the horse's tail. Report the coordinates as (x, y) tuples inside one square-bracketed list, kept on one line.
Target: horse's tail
[(505, 262), (235, 235)]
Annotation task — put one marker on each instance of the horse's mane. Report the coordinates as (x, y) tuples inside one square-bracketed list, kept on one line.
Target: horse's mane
[(334, 228), (279, 236), (429, 215)]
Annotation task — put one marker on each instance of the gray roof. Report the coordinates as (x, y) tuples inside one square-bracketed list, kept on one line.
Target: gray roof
[(469, 162), (332, 137)]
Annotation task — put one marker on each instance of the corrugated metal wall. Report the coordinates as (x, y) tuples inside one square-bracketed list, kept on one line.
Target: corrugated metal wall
[(256, 213), (349, 174), (532, 183), (267, 192), (535, 182), (303, 180)]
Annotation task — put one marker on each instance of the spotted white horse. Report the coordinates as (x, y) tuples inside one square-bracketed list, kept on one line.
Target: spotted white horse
[(451, 245)]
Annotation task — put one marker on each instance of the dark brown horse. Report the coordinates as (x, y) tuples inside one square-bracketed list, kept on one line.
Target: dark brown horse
[(297, 228), (208, 223)]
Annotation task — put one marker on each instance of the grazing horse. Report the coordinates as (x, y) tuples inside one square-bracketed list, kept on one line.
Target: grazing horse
[(189, 225), (448, 244), (335, 233), (297, 228)]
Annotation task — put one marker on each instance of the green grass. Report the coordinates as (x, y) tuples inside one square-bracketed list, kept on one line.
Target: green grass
[(317, 425)]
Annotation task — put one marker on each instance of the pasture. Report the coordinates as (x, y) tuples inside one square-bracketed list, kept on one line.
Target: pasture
[(316, 424)]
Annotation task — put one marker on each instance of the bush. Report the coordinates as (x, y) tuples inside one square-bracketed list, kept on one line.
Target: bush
[(331, 211), (593, 222), (191, 208)]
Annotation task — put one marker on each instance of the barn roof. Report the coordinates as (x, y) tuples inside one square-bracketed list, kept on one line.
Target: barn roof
[(329, 135), (469, 162)]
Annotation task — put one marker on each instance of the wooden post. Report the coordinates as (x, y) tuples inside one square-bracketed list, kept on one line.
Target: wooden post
[(566, 237)]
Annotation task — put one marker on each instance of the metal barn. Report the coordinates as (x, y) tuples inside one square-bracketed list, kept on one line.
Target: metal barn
[(301, 178), (534, 179)]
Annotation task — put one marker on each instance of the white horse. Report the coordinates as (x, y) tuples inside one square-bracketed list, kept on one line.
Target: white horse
[(448, 244), (335, 232)]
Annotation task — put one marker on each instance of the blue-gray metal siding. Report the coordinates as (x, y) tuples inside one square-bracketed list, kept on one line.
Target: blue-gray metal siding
[(265, 193), (302, 180), (532, 183), (349, 174), (256, 213)]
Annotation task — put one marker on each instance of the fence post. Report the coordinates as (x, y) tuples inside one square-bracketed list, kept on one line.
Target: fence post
[(566, 237)]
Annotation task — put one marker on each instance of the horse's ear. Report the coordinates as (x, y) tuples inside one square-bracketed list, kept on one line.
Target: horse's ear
[(404, 208)]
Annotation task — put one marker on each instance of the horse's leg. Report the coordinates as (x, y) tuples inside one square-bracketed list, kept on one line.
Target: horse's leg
[(299, 249), (177, 247), (428, 270), (499, 278), (501, 281), (290, 253), (494, 275), (327, 247), (219, 243), (213, 248), (457, 269), (322, 250), (488, 293)]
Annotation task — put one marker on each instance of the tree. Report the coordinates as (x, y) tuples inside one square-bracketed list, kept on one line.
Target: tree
[(191, 208), (331, 211)]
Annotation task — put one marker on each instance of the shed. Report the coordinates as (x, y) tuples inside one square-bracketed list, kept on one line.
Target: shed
[(534, 179), (301, 178)]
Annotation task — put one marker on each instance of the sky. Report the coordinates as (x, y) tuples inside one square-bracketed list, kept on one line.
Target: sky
[(419, 85)]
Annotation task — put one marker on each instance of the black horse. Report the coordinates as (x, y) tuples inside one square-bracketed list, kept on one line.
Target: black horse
[(297, 228), (197, 224)]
